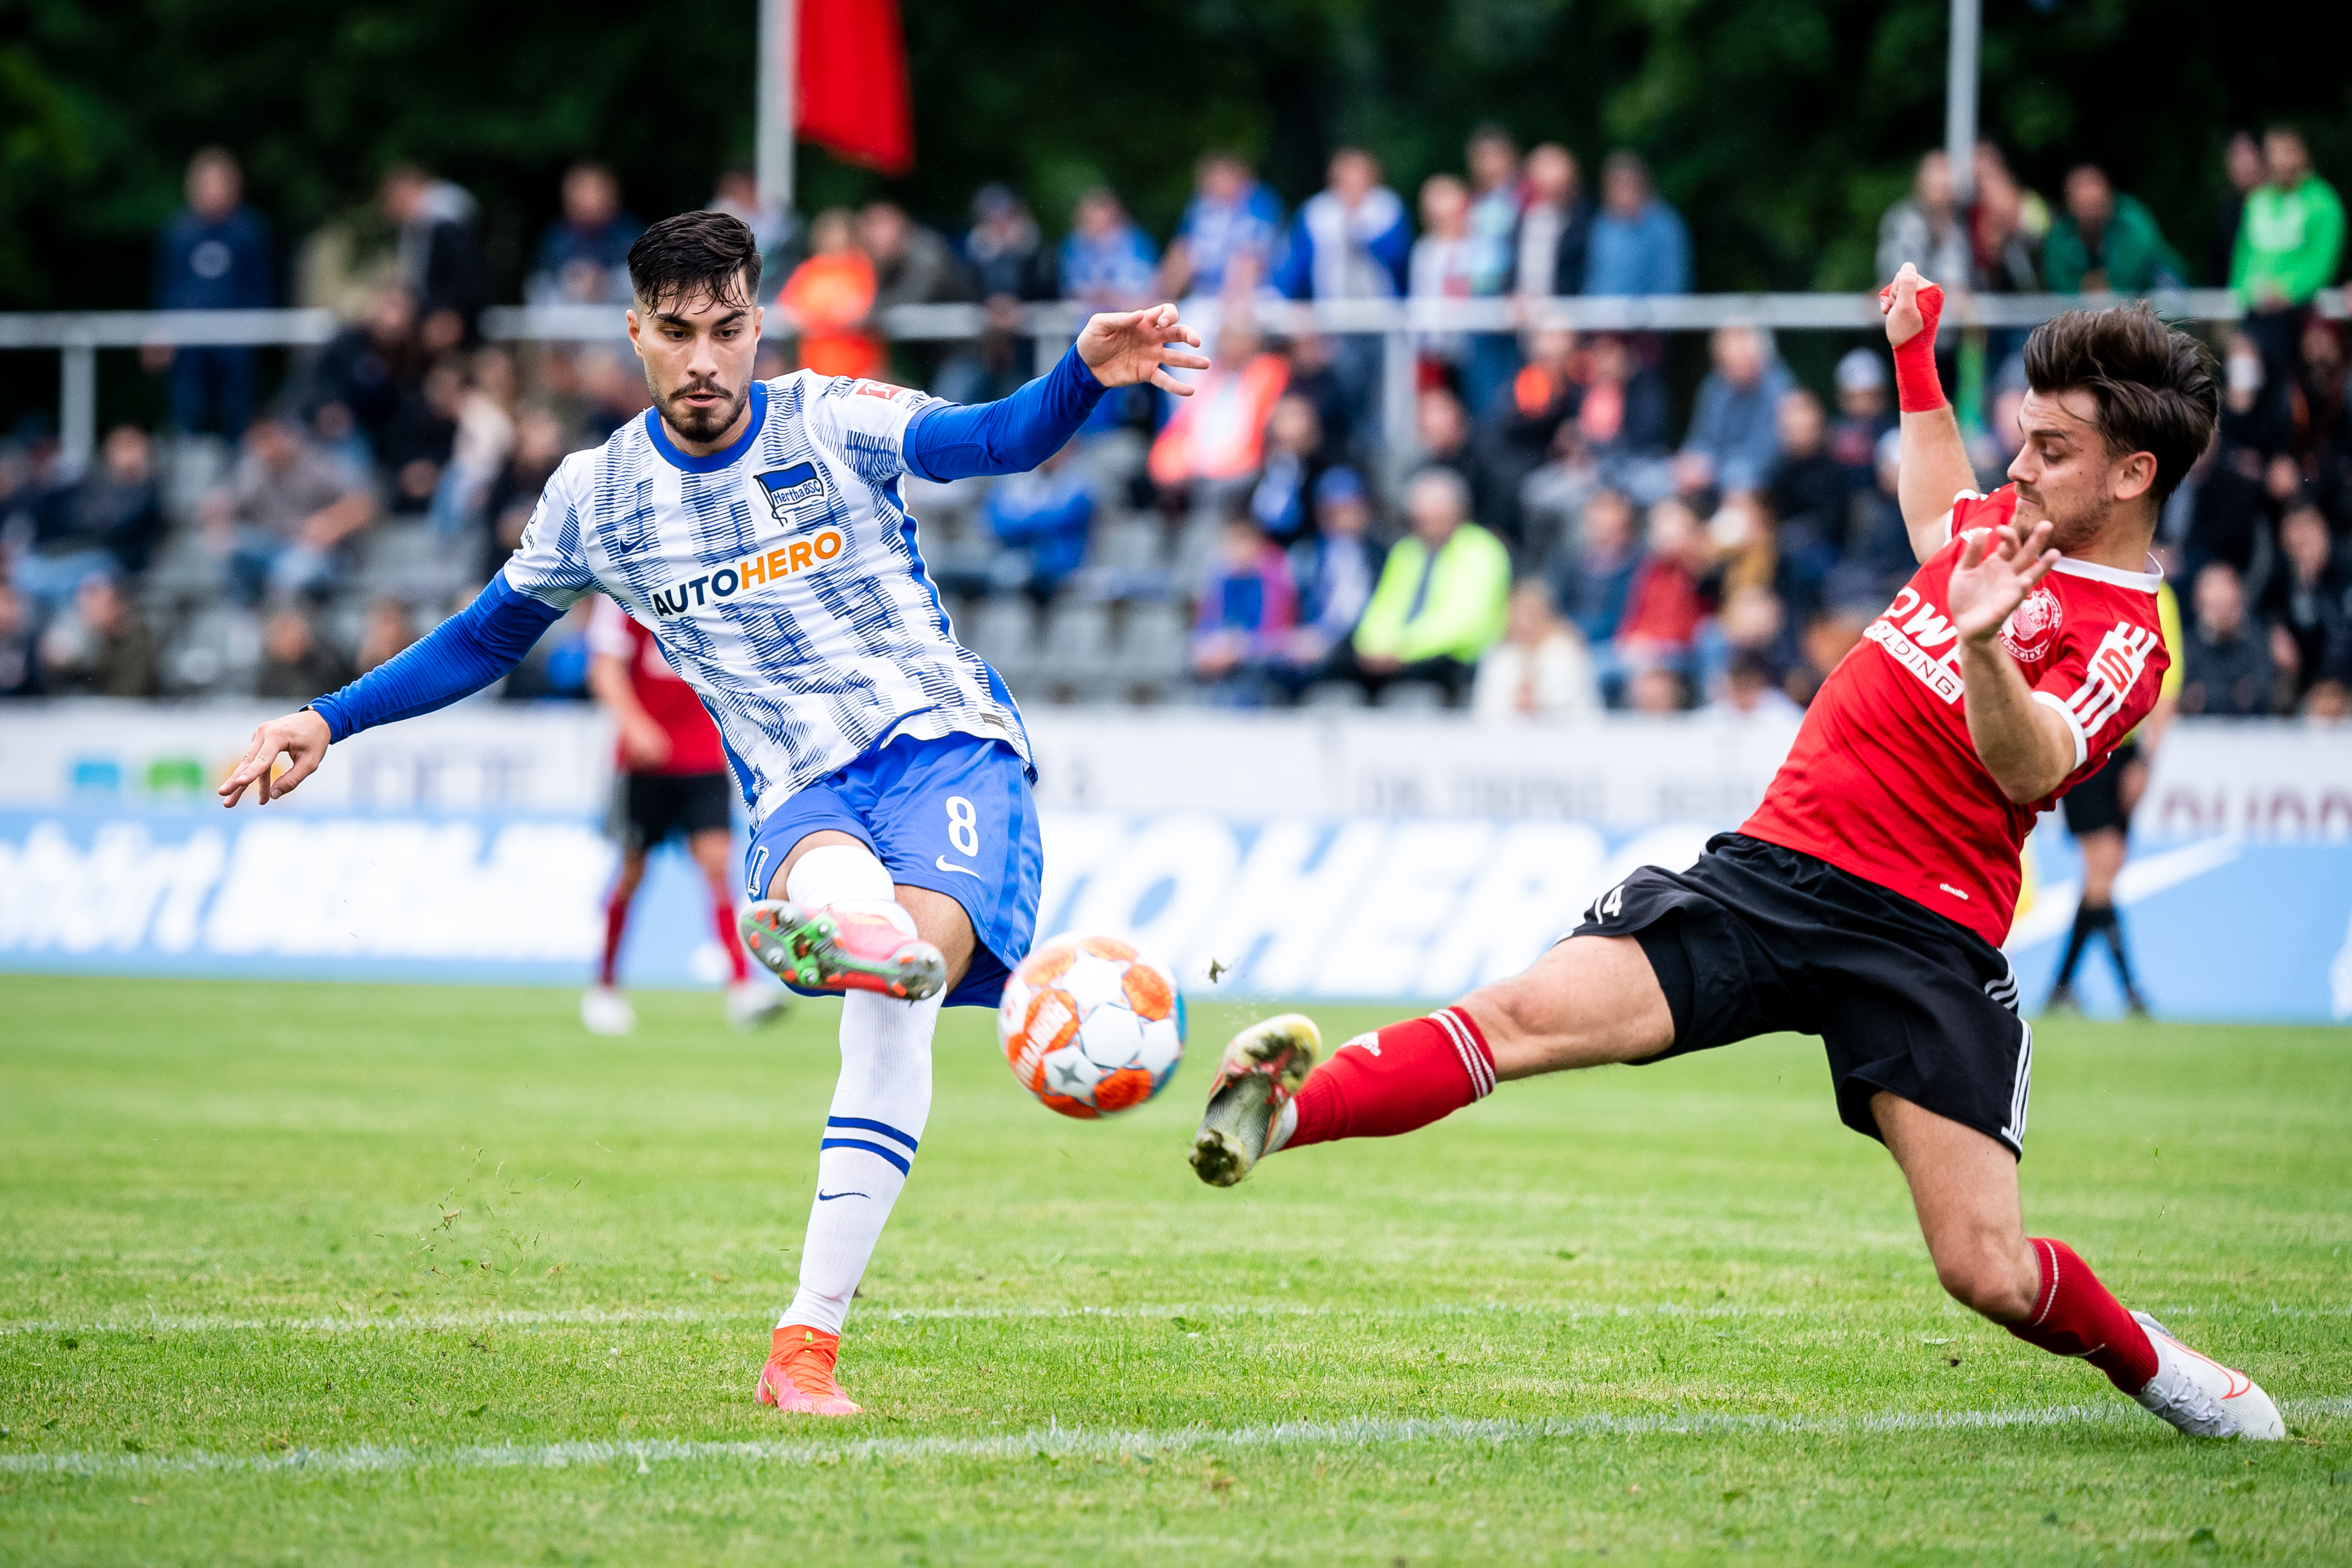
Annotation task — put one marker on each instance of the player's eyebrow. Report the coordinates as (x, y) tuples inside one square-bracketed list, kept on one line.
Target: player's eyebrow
[(672, 318)]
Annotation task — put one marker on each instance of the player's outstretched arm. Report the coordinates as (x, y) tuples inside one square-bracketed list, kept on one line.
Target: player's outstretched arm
[(1935, 461), (460, 657), (2026, 746), (950, 441)]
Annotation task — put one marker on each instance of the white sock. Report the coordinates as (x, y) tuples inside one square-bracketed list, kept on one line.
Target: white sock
[(847, 877), (879, 1106)]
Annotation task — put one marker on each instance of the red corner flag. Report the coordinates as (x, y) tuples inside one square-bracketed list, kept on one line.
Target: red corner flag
[(853, 94)]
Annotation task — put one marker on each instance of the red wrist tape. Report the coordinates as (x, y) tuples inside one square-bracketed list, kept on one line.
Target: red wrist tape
[(1917, 388)]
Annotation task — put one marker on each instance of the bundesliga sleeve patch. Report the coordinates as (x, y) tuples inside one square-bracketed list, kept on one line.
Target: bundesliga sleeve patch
[(883, 390)]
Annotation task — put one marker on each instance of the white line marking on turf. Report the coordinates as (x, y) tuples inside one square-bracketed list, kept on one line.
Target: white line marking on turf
[(1081, 1443), (599, 1317)]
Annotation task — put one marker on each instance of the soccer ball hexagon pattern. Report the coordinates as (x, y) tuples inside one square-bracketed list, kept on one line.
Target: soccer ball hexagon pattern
[(1091, 1027)]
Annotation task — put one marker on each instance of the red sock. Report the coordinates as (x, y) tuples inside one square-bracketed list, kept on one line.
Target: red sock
[(2075, 1315), (616, 920), (1406, 1075), (722, 916)]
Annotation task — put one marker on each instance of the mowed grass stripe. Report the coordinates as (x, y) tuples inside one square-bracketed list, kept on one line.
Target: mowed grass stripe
[(1081, 1443), (592, 1317)]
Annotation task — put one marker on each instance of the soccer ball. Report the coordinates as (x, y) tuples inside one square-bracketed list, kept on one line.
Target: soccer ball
[(1091, 1027)]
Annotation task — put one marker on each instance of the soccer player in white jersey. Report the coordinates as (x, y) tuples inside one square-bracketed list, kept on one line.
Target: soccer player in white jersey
[(758, 532)]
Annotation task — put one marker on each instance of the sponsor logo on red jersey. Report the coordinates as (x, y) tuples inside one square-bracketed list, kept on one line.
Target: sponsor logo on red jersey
[(1921, 638)]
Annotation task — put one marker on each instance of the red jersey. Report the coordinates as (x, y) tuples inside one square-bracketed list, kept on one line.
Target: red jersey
[(1883, 781), (668, 700)]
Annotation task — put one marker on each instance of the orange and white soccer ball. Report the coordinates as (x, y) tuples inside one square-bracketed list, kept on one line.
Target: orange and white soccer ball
[(1091, 1027)]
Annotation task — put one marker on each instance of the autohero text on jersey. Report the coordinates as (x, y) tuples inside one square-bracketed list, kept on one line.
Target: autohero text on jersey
[(787, 560)]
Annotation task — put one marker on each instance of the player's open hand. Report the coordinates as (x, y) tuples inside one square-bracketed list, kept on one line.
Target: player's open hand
[(302, 737), (1996, 570), (1128, 347), (1911, 305)]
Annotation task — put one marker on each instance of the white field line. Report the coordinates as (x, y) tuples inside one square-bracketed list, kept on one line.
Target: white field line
[(599, 1316), (1057, 1441)]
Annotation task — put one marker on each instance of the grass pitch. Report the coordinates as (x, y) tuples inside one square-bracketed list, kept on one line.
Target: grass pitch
[(315, 1274)]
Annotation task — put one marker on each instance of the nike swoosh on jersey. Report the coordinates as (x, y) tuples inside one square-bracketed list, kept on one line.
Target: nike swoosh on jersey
[(828, 1197), (943, 865)]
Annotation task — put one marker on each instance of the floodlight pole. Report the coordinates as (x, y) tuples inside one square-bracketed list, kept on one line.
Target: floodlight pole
[(1961, 73), (778, 76)]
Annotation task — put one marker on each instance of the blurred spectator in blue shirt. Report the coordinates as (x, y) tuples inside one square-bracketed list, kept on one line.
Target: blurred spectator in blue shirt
[(107, 519), (440, 256), (1248, 604), (213, 255), (1735, 431), (1228, 234), (1283, 500), (1492, 226), (584, 259), (1042, 518), (1861, 416), (1595, 579), (1108, 261), (1335, 571), (1639, 245), (1351, 240)]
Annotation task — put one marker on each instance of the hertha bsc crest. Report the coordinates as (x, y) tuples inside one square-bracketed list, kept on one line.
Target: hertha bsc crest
[(2032, 629), (796, 494)]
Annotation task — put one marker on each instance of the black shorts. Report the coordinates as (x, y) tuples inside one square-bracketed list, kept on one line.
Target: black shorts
[(648, 807), (1756, 938), (2098, 803)]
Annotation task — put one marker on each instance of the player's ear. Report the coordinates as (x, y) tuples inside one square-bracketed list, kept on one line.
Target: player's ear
[(631, 316), (2135, 476)]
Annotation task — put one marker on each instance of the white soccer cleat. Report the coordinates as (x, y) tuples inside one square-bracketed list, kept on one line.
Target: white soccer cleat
[(605, 1011), (2201, 1397), (752, 1003), (1256, 1078)]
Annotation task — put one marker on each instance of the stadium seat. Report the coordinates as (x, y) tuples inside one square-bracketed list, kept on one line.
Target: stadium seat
[(1075, 661), (1412, 696), (1333, 694), (1003, 632), (1152, 654)]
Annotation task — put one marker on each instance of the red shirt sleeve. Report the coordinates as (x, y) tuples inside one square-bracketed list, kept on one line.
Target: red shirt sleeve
[(2101, 680)]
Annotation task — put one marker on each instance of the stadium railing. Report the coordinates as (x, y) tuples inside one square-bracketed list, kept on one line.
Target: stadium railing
[(78, 335)]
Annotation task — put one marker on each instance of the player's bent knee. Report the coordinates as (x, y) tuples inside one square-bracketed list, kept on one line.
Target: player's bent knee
[(1983, 1279), (1589, 1002)]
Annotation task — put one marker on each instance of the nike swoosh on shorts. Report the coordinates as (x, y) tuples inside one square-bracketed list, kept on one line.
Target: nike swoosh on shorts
[(942, 864)]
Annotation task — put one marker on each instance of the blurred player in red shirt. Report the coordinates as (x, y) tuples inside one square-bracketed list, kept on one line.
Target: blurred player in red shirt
[(670, 778), (1866, 898)]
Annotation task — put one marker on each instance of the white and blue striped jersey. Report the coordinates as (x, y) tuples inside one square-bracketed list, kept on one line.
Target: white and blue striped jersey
[(780, 577)]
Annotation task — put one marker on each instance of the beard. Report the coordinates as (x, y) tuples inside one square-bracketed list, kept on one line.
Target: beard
[(2069, 533), (702, 422)]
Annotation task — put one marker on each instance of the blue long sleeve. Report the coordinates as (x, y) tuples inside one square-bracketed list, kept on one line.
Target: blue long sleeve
[(1010, 436), (458, 659)]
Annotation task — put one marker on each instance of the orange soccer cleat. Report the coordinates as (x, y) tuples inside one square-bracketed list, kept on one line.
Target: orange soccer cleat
[(834, 949), (798, 1374)]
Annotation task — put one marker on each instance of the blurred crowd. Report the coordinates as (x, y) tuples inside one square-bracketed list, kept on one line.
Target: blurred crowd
[(1566, 535)]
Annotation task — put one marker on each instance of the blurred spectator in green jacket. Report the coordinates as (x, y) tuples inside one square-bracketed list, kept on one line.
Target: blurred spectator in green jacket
[(2292, 235), (1441, 598), (2106, 240)]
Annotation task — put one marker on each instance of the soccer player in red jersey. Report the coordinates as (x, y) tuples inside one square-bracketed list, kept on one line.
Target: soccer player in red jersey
[(670, 778), (1865, 899)]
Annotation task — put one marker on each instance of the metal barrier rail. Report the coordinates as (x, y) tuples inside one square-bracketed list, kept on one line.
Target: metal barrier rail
[(78, 335)]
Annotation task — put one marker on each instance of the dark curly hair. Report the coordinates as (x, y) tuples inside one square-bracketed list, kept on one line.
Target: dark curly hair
[(700, 255), (2153, 384)]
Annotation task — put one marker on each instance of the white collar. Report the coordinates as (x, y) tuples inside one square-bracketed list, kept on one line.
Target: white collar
[(2146, 582)]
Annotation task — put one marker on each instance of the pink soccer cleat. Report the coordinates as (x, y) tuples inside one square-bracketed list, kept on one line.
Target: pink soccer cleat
[(799, 1377), (841, 950)]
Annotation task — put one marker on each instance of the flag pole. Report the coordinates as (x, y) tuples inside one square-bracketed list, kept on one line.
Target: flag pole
[(778, 76)]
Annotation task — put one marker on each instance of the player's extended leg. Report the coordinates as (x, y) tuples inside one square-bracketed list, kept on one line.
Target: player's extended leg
[(749, 1003), (1964, 1188), (603, 1009), (833, 931), (1590, 1001), (881, 1105)]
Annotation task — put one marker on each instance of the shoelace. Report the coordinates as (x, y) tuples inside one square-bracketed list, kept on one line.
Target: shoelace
[(2196, 1408), (806, 1369)]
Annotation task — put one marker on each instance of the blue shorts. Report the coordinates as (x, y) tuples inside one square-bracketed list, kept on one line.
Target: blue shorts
[(951, 814)]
